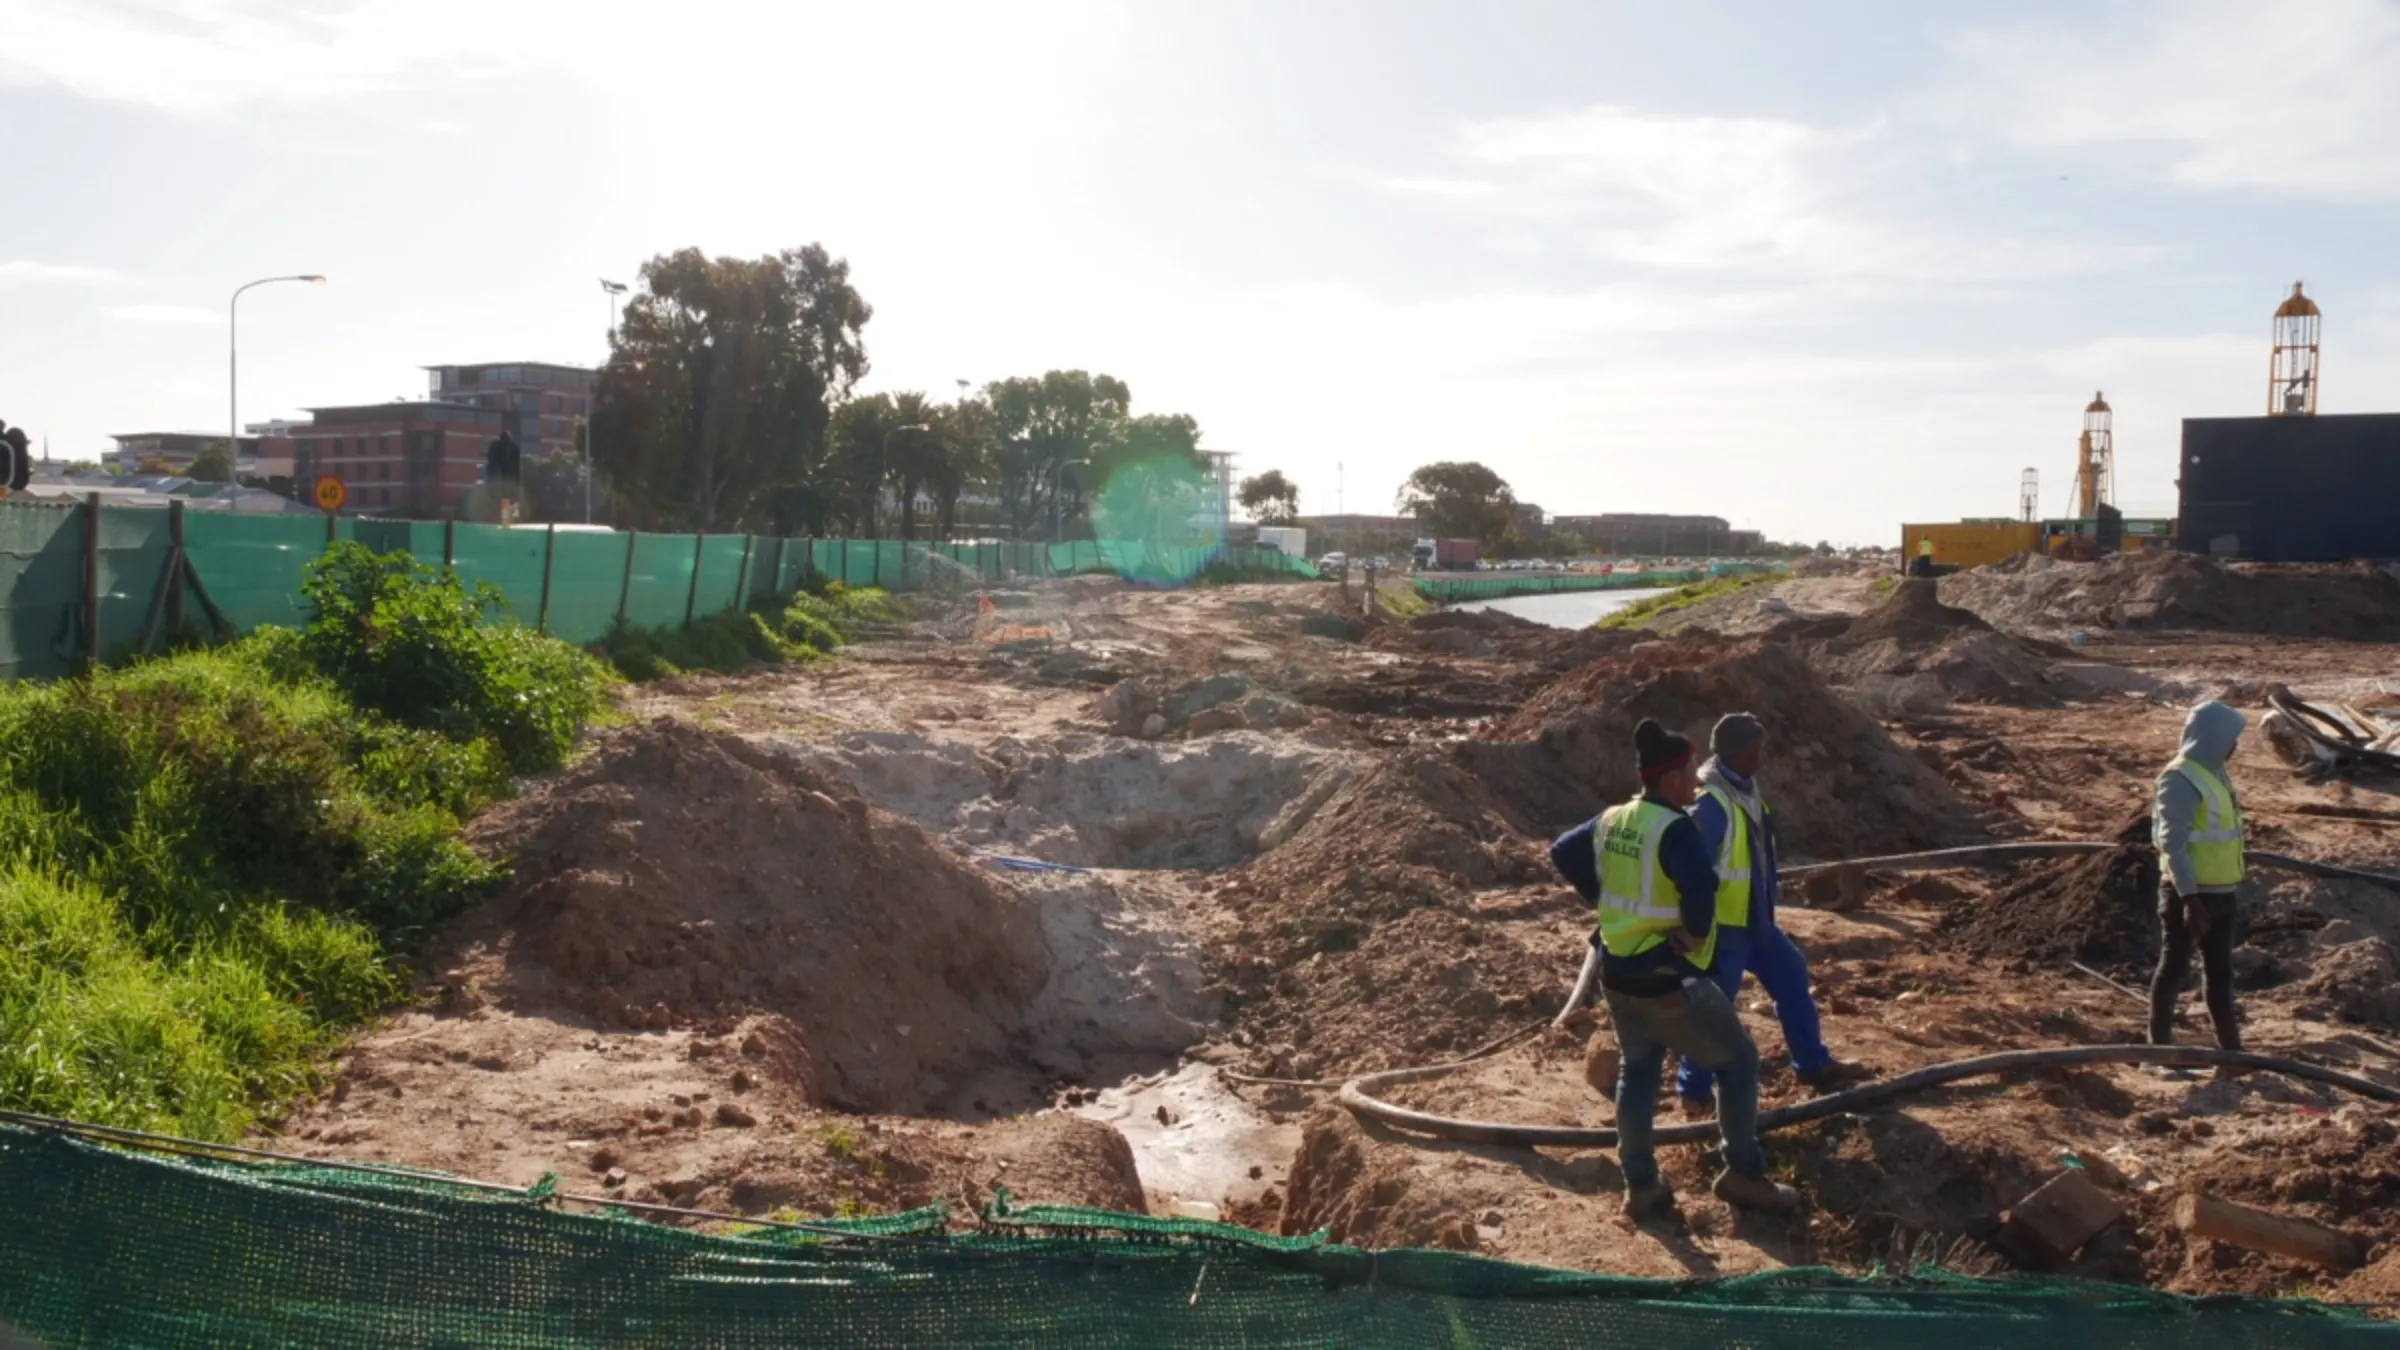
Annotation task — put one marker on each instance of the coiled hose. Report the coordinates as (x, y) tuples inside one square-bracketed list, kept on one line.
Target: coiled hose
[(1357, 1095)]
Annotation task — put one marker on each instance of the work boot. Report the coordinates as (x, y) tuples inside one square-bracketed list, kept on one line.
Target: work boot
[(1834, 1075), (1655, 1201), (1748, 1190)]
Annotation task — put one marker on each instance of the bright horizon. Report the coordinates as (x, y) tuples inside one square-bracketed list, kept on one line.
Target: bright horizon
[(1816, 272)]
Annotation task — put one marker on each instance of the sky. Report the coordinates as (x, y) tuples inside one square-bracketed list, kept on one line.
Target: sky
[(1817, 268)]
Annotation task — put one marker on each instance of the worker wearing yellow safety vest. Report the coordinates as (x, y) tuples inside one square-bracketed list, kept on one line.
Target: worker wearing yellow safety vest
[(2197, 826), (1738, 827), (1644, 863)]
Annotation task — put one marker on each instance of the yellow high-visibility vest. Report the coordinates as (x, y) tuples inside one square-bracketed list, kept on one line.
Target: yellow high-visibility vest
[(2217, 836), (1733, 861), (1639, 903)]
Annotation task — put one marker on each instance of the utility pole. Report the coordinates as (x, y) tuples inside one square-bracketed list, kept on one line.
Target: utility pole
[(233, 360), (591, 406)]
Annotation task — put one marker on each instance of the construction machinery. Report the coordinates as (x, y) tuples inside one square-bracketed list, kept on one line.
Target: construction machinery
[(2292, 371)]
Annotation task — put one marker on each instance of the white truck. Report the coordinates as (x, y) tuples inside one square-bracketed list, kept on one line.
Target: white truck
[(1291, 542)]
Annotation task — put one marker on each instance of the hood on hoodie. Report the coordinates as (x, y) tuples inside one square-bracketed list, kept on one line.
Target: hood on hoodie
[(2209, 733)]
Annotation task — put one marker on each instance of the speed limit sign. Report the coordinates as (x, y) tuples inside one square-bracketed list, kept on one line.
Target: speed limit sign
[(331, 494)]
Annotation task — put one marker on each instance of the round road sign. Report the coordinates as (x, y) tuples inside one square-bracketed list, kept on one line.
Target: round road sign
[(331, 494)]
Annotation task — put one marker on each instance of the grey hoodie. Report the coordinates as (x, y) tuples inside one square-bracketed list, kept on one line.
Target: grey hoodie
[(2208, 739)]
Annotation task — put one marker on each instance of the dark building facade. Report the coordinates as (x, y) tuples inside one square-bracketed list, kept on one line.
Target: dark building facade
[(2291, 489)]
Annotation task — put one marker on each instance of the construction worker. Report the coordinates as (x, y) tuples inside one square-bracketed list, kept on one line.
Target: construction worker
[(1739, 829), (1644, 863), (2197, 826), (1923, 566)]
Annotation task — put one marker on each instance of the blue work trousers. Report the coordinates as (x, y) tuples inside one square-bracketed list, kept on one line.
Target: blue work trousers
[(1697, 1023), (1783, 972)]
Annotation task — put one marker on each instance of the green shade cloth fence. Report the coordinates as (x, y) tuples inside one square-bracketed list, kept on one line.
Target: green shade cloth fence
[(86, 581), (104, 1247)]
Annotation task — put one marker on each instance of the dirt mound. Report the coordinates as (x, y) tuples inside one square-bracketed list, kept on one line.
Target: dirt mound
[(2161, 588), (1367, 1197), (2099, 908), (1497, 636), (1840, 786), (1914, 654), (2342, 1171), (1360, 943), (677, 875), (2355, 982)]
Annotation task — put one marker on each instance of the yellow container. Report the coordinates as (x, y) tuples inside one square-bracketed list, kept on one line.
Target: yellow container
[(1971, 543)]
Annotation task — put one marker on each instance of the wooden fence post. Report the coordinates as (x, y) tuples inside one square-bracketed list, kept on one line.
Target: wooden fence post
[(91, 583), (633, 541), (450, 542), (741, 586), (691, 603), (174, 572), (549, 559)]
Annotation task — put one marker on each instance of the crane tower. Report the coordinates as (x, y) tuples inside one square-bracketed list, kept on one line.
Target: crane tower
[(2029, 496), (2292, 375), (2095, 464)]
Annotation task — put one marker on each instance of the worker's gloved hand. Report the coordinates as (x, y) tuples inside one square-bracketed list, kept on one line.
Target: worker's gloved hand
[(2195, 916), (1685, 942)]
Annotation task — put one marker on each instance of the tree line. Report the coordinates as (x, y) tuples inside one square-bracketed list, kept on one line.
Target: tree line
[(729, 401)]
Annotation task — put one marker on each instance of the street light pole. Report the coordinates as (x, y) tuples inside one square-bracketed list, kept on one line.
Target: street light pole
[(233, 361), (591, 407), (883, 468)]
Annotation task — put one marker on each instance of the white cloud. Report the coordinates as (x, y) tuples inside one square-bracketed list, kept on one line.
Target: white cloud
[(166, 314), (2226, 94), (16, 271), (1768, 196)]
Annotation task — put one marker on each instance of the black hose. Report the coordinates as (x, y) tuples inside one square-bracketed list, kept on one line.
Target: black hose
[(1945, 857), (1358, 1097)]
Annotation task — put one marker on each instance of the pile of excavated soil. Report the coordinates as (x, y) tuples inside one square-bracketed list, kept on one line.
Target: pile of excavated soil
[(2166, 589), (1089, 800), (1840, 786), (2100, 908), (677, 876), (1914, 652), (1360, 944), (2341, 1171), (1492, 634)]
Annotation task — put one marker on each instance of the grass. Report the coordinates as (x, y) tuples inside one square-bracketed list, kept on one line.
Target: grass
[(1403, 602), (1883, 585), (809, 625), (212, 864), (1642, 612)]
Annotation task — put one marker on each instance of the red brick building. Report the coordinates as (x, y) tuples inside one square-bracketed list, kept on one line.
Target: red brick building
[(539, 402), (412, 460)]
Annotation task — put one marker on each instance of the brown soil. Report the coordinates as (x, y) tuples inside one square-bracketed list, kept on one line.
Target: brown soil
[(676, 876), (2167, 589), (2343, 1171), (1843, 788), (1915, 654), (2099, 908)]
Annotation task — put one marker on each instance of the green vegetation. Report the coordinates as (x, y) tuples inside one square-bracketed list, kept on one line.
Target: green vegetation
[(1643, 612), (208, 862), (1883, 585), (811, 624)]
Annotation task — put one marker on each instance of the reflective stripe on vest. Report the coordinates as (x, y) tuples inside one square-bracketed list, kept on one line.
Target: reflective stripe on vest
[(1639, 903), (1733, 862), (2216, 827)]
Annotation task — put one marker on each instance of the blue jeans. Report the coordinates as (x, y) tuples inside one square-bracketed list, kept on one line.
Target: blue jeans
[(1783, 972), (1699, 1024)]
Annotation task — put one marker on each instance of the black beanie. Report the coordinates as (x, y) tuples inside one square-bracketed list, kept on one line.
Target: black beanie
[(1658, 750)]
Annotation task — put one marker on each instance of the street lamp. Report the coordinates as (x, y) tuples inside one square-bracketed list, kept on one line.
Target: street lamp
[(882, 469), (591, 407), (233, 361)]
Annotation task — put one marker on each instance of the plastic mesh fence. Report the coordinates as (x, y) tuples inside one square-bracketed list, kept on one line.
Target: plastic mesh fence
[(110, 1248)]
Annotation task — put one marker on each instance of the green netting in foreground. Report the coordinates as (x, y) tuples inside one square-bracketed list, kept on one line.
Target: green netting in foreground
[(104, 1248)]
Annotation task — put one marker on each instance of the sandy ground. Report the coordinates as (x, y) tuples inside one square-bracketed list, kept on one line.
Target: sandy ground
[(1175, 949)]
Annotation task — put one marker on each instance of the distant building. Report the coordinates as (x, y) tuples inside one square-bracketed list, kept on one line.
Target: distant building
[(399, 459), (1627, 534), (539, 403), (175, 448), (1214, 518)]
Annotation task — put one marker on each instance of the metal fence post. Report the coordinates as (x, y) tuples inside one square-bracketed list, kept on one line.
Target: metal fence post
[(175, 564), (91, 583), (450, 543), (549, 558), (691, 603), (633, 541)]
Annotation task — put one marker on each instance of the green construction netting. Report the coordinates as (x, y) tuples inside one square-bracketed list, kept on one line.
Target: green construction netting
[(509, 557), (41, 573), (109, 1248), (587, 582), (722, 562), (253, 565)]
